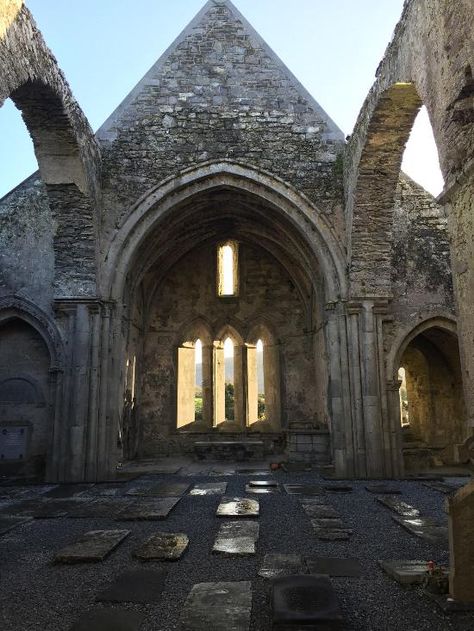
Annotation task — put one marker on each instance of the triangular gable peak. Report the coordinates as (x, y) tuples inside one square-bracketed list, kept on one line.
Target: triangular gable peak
[(217, 54)]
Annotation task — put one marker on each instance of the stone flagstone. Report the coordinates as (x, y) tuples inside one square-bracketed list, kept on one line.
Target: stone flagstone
[(117, 619), (163, 546), (406, 572), (263, 483), (304, 489), (148, 509), (330, 534), (382, 489), (218, 607), (441, 487), (95, 545), (163, 489), (399, 507), (334, 566), (64, 491), (102, 507), (8, 522), (209, 488), (46, 508), (238, 507), (319, 511), (261, 490), (282, 565), (305, 602), (237, 537), (330, 523), (424, 528), (136, 586), (338, 488)]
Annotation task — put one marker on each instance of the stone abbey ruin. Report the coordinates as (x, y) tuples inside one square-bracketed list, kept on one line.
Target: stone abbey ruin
[(220, 206)]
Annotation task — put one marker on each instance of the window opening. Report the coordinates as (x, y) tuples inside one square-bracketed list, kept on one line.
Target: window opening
[(229, 379), (404, 418), (227, 269), (198, 381), (260, 382)]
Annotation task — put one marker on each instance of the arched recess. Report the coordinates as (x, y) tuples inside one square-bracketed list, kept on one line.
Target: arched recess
[(30, 389), (260, 333), (197, 331), (67, 153), (189, 216), (434, 414)]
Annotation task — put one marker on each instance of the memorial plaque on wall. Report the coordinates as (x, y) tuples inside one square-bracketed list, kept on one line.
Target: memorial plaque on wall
[(13, 441)]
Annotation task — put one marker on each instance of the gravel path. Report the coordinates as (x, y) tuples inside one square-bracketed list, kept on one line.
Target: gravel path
[(36, 595)]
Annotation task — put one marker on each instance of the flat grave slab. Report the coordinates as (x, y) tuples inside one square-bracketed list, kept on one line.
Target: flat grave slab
[(282, 565), (330, 534), (65, 491), (107, 489), (135, 586), (102, 508), (163, 489), (209, 488), (46, 508), (263, 483), (304, 489), (238, 507), (95, 545), (334, 566), (398, 506), (163, 546), (441, 487), (221, 472), (406, 572), (237, 537), (382, 489), (13, 493), (148, 509), (296, 467), (218, 607), (319, 511), (261, 490), (301, 601), (338, 488), (424, 528), (328, 522), (8, 522), (117, 619)]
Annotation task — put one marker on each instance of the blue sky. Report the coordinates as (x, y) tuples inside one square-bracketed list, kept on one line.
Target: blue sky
[(106, 46)]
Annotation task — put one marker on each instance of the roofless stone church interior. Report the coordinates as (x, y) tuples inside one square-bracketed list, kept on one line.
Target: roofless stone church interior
[(218, 281)]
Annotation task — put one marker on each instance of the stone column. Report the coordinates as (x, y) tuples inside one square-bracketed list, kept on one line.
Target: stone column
[(186, 385), (219, 385), (81, 430), (207, 385), (271, 372), (252, 385), (461, 544), (240, 369)]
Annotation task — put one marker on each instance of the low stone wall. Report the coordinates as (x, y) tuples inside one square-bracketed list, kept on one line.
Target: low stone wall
[(312, 446)]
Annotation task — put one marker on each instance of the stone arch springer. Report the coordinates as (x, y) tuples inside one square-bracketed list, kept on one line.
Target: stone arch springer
[(159, 202)]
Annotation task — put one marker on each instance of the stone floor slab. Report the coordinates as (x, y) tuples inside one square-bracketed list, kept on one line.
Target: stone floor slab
[(282, 565), (163, 489), (261, 490), (300, 601), (328, 522), (218, 607), (117, 619), (334, 566), (441, 487), (382, 489), (424, 528), (263, 483), (100, 508), (319, 511), (136, 586), (107, 489), (148, 509), (209, 488), (331, 534), (406, 572), (398, 506), (238, 507), (163, 546), (94, 546), (8, 522), (304, 489), (65, 491), (338, 488), (237, 538), (46, 508)]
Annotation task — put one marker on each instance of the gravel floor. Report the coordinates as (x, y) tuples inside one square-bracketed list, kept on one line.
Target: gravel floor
[(36, 595)]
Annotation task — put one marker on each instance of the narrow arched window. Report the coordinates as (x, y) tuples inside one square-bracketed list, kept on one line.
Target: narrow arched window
[(198, 395), (227, 269), (229, 379), (260, 382)]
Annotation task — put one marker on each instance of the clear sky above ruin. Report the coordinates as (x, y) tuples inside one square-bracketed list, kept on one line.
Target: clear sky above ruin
[(106, 46)]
